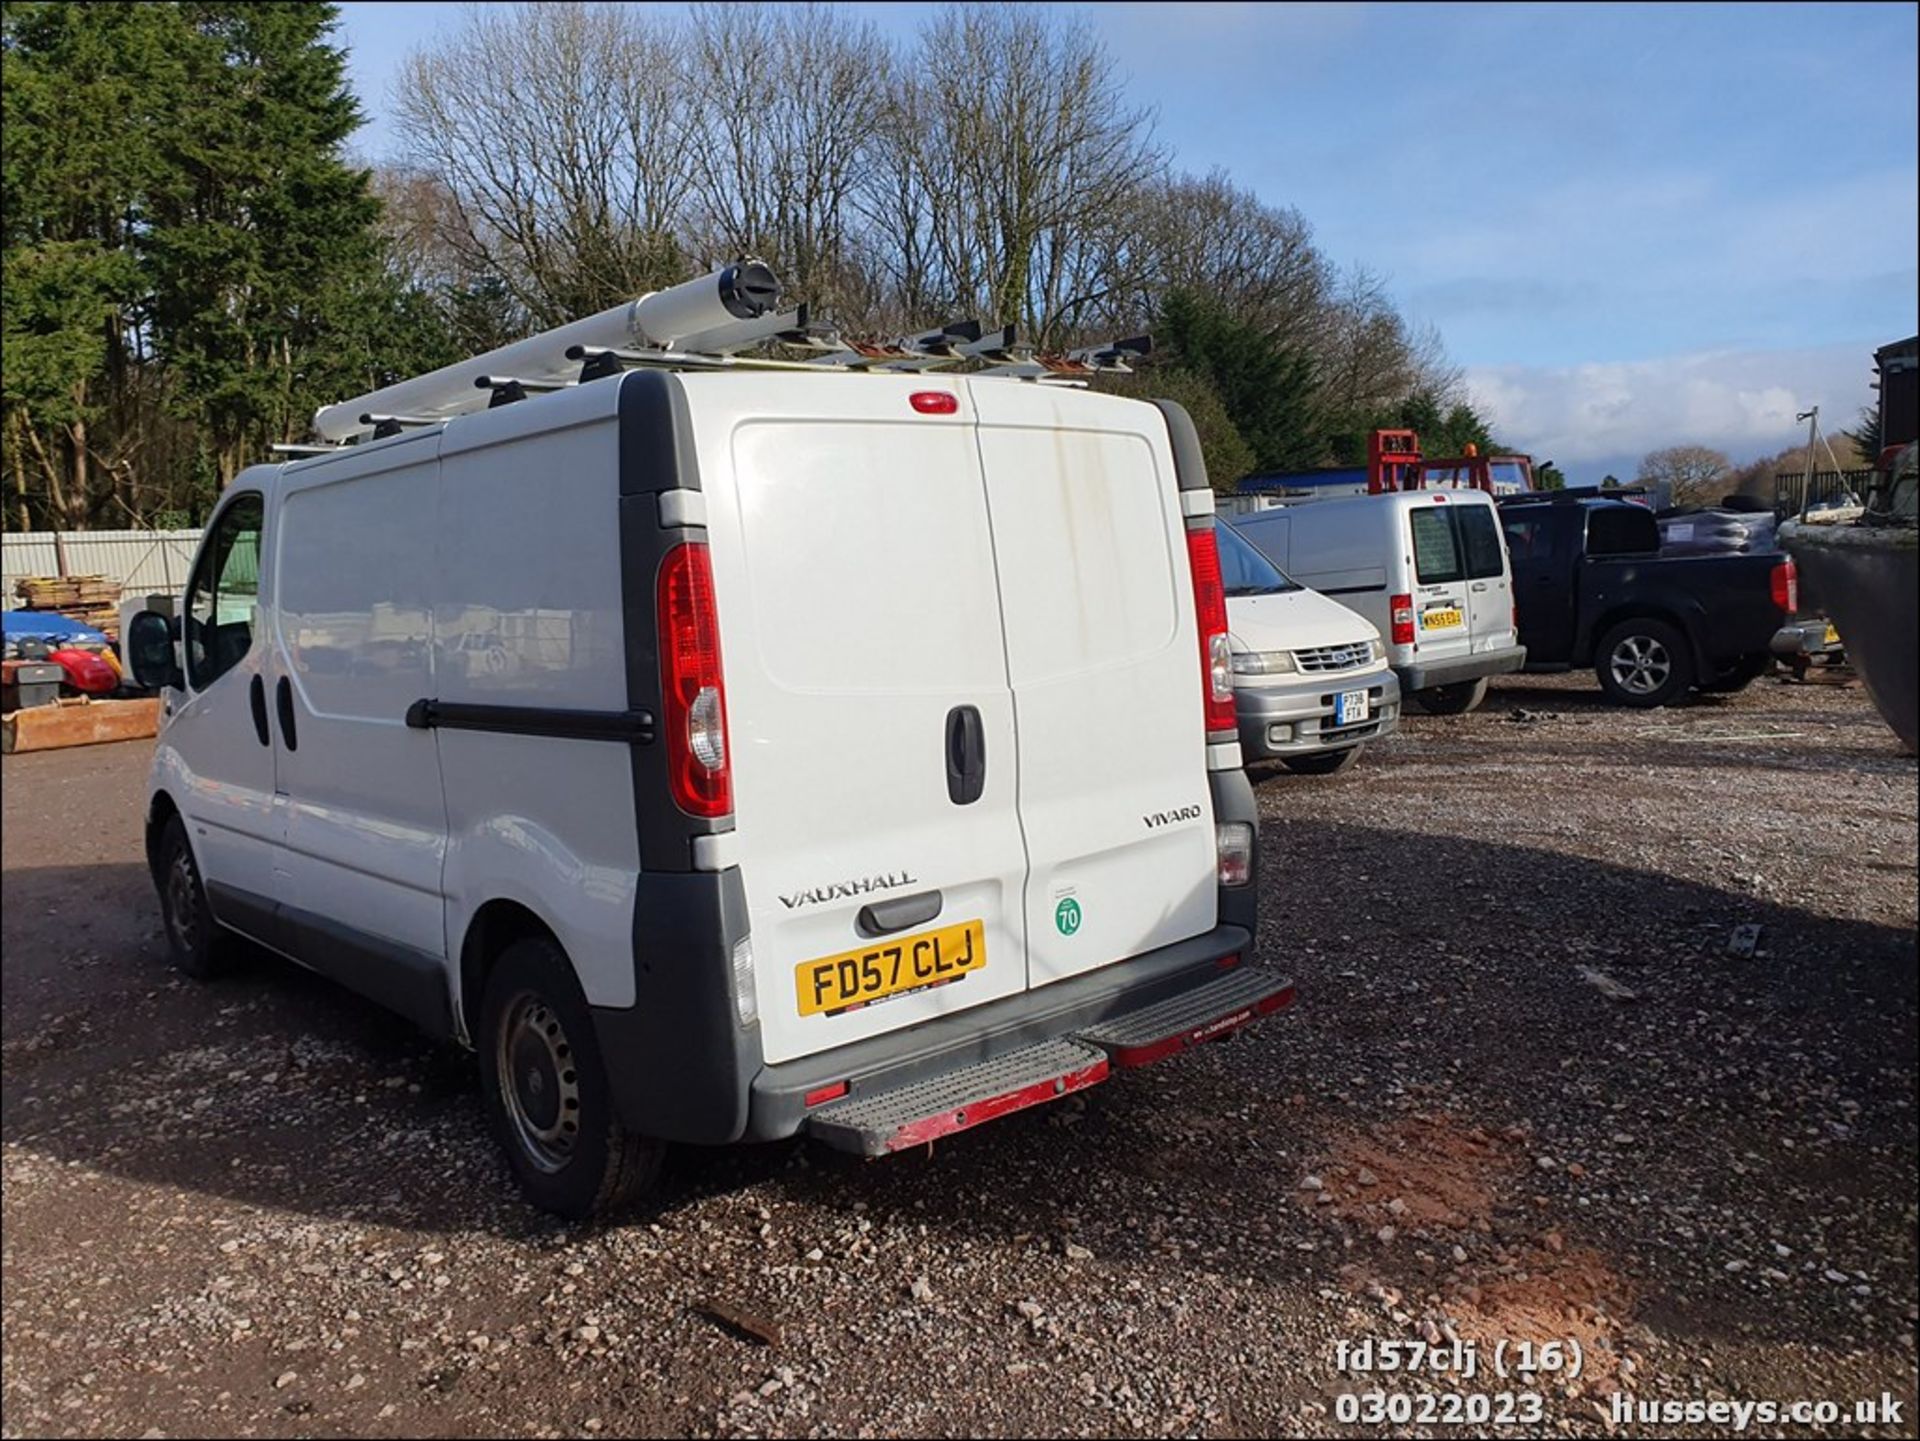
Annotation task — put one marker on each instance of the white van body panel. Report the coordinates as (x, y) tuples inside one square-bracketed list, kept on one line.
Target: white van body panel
[(366, 821), (527, 611), (1098, 598)]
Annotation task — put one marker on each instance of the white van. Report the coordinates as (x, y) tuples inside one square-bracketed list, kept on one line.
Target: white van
[(1310, 677), (726, 755), (1429, 568)]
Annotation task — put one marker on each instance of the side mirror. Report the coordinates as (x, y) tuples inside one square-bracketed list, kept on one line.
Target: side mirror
[(149, 648)]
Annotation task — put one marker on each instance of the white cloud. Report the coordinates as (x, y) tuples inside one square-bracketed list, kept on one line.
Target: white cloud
[(1742, 402)]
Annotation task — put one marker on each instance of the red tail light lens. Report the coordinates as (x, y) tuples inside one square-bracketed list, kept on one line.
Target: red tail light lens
[(1401, 610), (1210, 609), (934, 402), (1786, 586), (692, 688)]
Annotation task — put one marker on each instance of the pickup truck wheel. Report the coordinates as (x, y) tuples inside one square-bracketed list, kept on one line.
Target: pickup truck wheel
[(200, 947), (1455, 699), (547, 1092), (1327, 763), (1643, 663)]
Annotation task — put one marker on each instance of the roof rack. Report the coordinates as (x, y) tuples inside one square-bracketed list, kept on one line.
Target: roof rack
[(703, 324)]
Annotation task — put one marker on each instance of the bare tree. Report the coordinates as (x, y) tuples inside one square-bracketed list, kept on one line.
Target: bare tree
[(1697, 474), (785, 123), (1008, 159), (1206, 234), (559, 132)]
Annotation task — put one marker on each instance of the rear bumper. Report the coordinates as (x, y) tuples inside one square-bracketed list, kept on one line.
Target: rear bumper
[(1296, 718), (1422, 675), (777, 1103)]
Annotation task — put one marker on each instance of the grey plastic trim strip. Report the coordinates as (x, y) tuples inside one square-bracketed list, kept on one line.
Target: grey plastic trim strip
[(1189, 462)]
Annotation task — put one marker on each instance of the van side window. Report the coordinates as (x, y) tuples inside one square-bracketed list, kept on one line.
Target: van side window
[(224, 593), (1480, 539), (1436, 555)]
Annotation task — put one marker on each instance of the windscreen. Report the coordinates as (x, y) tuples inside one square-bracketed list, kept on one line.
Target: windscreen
[(1244, 570)]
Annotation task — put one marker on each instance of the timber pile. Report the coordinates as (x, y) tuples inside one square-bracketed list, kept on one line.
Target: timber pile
[(90, 599)]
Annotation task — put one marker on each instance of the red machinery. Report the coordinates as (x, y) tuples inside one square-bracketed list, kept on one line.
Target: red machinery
[(1394, 463)]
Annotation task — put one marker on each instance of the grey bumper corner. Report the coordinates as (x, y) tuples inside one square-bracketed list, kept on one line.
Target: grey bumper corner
[(1424, 675)]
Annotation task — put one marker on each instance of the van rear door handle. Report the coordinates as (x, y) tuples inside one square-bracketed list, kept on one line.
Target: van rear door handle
[(257, 698), (283, 699), (966, 755), (879, 918)]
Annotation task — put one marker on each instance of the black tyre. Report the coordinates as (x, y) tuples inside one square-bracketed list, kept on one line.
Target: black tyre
[(200, 947), (1643, 663), (547, 1092), (1327, 763), (1455, 699), (1743, 673)]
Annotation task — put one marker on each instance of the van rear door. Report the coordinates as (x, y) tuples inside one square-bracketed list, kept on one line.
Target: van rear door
[(1097, 596), (1442, 615), (1483, 554), (871, 723)]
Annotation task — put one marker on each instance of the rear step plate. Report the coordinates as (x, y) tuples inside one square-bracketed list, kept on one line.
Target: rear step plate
[(1136, 1038), (959, 1100)]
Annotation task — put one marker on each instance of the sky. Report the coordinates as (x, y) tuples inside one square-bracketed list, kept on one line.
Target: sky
[(1634, 226)]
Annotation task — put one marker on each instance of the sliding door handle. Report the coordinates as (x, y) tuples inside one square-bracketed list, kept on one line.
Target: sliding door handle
[(283, 699), (257, 698)]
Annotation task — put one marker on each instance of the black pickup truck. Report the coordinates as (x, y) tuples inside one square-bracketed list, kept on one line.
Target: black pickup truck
[(1591, 588)]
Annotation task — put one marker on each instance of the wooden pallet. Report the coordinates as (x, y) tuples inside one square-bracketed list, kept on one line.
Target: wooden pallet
[(81, 722), (46, 592)]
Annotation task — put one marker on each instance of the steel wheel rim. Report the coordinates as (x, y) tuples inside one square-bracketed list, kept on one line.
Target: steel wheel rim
[(1640, 664), (183, 903), (539, 1082)]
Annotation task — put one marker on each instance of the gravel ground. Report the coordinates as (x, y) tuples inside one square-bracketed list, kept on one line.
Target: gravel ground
[(1527, 1094)]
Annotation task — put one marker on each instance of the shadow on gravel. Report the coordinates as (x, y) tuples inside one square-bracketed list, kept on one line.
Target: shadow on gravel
[(1775, 1084)]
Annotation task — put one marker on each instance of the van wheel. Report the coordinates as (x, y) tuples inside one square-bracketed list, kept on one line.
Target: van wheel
[(547, 1092), (200, 948), (1643, 663), (1455, 699), (1327, 763)]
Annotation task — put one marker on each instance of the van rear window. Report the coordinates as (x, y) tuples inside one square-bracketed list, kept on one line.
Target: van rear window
[(1436, 552), (1480, 539)]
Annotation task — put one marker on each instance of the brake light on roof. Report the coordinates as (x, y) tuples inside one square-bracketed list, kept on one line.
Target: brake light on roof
[(1210, 610), (1401, 609), (692, 688), (1785, 584), (934, 402)]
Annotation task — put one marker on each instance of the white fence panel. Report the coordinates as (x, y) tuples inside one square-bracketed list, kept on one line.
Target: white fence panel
[(141, 560)]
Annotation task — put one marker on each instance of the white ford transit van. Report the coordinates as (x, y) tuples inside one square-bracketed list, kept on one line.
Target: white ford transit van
[(726, 755), (1311, 683), (1429, 568)]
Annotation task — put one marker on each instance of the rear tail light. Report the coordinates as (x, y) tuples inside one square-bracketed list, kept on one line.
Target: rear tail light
[(692, 689), (1210, 610), (1786, 586), (1402, 611), (1233, 841)]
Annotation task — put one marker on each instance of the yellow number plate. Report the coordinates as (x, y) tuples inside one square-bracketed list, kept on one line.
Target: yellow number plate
[(1439, 619), (888, 967)]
